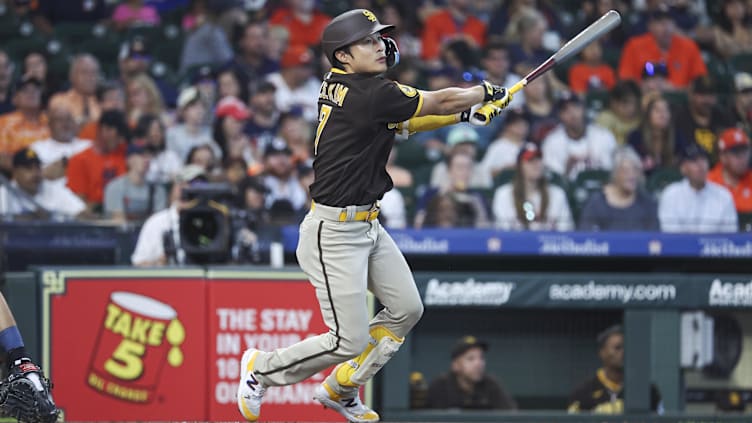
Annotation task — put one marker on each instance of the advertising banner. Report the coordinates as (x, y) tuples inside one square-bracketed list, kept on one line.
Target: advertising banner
[(127, 347), (263, 314)]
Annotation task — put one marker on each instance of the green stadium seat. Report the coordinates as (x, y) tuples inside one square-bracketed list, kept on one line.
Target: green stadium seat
[(557, 179), (411, 155), (164, 72), (408, 195), (745, 222), (586, 183), (168, 51), (596, 100), (106, 49), (152, 35), (675, 98), (74, 33), (661, 177), (719, 70), (422, 175), (19, 47), (742, 62), (504, 177)]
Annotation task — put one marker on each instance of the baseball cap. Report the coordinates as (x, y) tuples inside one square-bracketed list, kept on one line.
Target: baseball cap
[(743, 82), (232, 106), (466, 343), (462, 134), (28, 80), (136, 148), (116, 119), (296, 55), (693, 151), (190, 172), (187, 97), (566, 98), (135, 48), (704, 85), (203, 73), (529, 151), (278, 146), (661, 12), (733, 139), (25, 157), (651, 69)]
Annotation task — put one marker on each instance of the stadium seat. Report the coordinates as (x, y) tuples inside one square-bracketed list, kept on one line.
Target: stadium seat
[(74, 33), (408, 195), (586, 183), (659, 178), (504, 177), (168, 51), (596, 100), (719, 70), (19, 47), (557, 179), (742, 62), (411, 155), (745, 222), (105, 49), (675, 98)]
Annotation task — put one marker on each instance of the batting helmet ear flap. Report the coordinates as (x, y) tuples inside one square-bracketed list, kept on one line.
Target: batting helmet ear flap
[(392, 51)]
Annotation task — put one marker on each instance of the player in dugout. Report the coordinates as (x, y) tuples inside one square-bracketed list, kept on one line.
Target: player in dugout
[(343, 248)]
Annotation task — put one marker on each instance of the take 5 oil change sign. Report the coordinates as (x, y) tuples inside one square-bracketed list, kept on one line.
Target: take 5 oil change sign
[(128, 348)]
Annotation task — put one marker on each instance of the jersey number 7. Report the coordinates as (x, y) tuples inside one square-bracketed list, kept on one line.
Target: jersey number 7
[(326, 110)]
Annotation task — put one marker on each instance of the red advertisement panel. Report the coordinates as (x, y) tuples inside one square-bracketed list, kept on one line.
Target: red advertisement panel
[(264, 315), (130, 349)]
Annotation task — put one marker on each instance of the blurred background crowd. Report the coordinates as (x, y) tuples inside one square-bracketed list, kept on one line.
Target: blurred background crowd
[(109, 109)]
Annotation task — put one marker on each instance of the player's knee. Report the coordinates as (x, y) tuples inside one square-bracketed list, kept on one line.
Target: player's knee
[(413, 313), (354, 344)]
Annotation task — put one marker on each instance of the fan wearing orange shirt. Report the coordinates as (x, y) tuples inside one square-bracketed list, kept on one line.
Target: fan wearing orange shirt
[(732, 170), (591, 73), (91, 170), (661, 44), (455, 21), (304, 23), (24, 126)]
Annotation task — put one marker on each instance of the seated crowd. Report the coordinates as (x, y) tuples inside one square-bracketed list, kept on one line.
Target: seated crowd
[(650, 138)]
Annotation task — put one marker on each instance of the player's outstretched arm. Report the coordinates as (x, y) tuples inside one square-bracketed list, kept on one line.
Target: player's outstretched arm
[(449, 101)]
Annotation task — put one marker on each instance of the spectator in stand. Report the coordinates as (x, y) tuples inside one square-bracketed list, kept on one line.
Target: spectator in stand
[(164, 163), (591, 72), (502, 153), (144, 98), (473, 210), (623, 113), (741, 106), (231, 115), (701, 117), (539, 108), (134, 14), (203, 155), (231, 84), (529, 50), (251, 58), (392, 212), (467, 385), (696, 204), (30, 196), (576, 145), (622, 204), (280, 178), (129, 197), (461, 139), (52, 12), (303, 22), (503, 24), (654, 79), (27, 124), (656, 140), (81, 98), (55, 152), (401, 177), (662, 44), (454, 21), (731, 32), (298, 135), (91, 170), (529, 202), (206, 42), (234, 170), (733, 168), (35, 66), (6, 83), (191, 131), (397, 13), (444, 211), (295, 83), (589, 12), (262, 127), (497, 66), (163, 225), (133, 58), (110, 96)]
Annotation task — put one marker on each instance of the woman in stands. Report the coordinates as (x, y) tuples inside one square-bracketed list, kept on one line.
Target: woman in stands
[(622, 204), (656, 141), (529, 202)]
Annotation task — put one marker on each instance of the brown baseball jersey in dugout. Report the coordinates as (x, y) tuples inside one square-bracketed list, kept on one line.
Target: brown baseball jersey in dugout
[(355, 135)]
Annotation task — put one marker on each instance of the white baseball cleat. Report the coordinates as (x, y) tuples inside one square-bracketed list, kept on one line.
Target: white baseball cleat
[(352, 408), (250, 389)]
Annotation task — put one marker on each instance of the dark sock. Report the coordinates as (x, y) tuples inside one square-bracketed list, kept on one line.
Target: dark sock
[(16, 354)]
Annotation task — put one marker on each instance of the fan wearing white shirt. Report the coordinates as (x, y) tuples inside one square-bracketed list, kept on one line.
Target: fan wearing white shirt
[(63, 144), (502, 152), (576, 145), (695, 204), (529, 202), (29, 196)]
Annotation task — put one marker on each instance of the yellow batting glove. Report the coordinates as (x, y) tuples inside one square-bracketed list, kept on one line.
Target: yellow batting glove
[(483, 115)]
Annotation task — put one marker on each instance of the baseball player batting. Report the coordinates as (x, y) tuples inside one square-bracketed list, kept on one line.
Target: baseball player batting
[(342, 247)]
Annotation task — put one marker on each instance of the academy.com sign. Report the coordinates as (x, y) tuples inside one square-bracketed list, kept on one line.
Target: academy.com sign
[(467, 292), (623, 293), (730, 294)]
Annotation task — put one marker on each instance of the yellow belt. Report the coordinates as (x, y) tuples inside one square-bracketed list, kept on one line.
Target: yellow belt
[(361, 216)]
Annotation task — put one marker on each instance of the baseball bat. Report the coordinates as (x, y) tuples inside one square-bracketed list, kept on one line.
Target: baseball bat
[(597, 29)]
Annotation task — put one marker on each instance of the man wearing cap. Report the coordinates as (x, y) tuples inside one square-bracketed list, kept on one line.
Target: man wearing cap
[(695, 204), (701, 118), (191, 131), (91, 170), (467, 385), (295, 83), (129, 198), (462, 138), (575, 145), (342, 247), (662, 44), (81, 98), (30, 196), (162, 227), (279, 177), (27, 124), (741, 106), (134, 58), (62, 144), (604, 393), (732, 170)]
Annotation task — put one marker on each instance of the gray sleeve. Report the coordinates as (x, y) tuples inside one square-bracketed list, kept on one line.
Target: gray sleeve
[(160, 198), (113, 196)]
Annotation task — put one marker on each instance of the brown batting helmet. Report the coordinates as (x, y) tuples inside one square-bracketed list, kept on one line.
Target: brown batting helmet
[(348, 28)]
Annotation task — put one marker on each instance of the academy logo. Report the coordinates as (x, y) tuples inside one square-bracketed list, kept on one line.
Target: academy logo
[(730, 294), (468, 292)]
